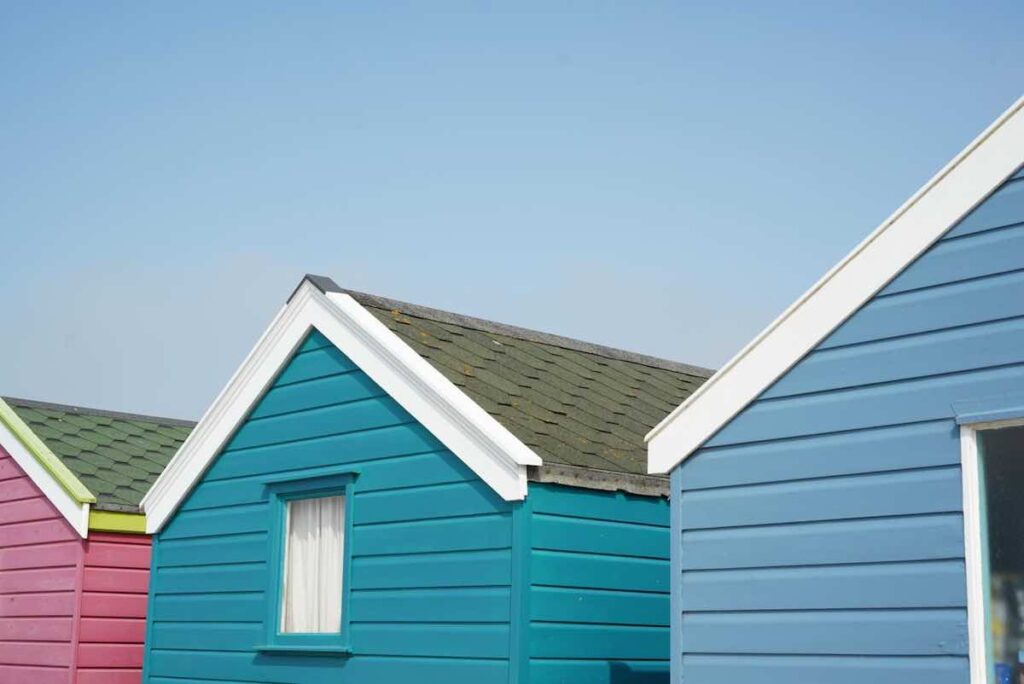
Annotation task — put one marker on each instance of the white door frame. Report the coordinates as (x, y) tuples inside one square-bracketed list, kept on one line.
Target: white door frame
[(976, 545)]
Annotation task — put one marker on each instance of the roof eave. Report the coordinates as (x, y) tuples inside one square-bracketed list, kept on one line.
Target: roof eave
[(601, 480)]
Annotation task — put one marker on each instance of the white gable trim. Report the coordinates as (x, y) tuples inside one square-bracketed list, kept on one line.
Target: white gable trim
[(74, 511), (488, 448), (912, 229)]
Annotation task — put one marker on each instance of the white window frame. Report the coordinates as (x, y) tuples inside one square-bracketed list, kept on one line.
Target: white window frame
[(976, 545)]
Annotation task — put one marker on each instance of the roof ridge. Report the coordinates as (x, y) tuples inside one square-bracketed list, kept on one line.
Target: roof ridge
[(85, 410), (325, 284)]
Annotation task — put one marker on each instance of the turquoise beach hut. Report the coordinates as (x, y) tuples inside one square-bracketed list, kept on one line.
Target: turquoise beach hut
[(848, 491), (388, 493)]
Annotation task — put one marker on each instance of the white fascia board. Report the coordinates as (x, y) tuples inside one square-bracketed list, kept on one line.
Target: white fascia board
[(219, 422), (473, 435), (76, 513), (957, 189)]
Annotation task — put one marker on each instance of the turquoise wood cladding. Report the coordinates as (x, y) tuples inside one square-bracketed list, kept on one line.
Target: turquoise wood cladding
[(598, 587), (448, 583), (431, 566), (819, 535)]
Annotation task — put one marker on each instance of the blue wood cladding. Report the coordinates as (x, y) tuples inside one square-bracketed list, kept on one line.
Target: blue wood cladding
[(444, 586), (820, 533)]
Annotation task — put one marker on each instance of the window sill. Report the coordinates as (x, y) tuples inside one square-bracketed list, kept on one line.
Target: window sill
[(312, 650)]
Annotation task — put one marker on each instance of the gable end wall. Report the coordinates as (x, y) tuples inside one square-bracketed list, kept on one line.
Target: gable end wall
[(40, 562), (820, 533), (432, 562)]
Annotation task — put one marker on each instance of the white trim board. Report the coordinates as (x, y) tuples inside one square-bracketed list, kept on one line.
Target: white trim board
[(957, 189), (77, 514), (473, 435), (974, 550), (976, 545)]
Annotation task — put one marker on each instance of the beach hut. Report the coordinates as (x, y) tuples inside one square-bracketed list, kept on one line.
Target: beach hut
[(385, 492), (847, 491), (74, 555)]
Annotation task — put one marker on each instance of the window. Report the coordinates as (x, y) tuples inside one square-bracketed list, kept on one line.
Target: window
[(309, 561), (312, 577)]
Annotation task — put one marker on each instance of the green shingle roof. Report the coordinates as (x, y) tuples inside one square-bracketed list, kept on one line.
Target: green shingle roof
[(572, 402), (116, 455)]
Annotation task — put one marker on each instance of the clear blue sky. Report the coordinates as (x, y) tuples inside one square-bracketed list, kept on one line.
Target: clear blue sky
[(664, 177)]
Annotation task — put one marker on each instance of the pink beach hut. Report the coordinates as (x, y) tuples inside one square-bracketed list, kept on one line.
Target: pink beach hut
[(74, 556)]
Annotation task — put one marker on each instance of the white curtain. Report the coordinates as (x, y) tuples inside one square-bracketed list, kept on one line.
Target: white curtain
[(311, 597)]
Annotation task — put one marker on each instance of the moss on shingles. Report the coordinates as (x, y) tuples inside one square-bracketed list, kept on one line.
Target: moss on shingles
[(573, 407)]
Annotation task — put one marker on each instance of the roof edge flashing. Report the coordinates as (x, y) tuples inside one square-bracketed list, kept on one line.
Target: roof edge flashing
[(600, 480)]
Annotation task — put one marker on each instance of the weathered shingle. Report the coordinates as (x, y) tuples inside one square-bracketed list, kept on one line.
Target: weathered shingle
[(573, 403), (116, 455)]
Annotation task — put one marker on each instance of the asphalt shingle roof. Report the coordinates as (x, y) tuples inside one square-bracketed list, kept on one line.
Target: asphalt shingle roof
[(116, 455), (572, 402)]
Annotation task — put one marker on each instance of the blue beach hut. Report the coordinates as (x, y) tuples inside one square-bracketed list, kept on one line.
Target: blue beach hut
[(847, 491), (388, 493)]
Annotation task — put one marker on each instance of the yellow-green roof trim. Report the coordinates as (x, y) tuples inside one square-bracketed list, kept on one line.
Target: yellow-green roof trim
[(116, 521), (46, 458)]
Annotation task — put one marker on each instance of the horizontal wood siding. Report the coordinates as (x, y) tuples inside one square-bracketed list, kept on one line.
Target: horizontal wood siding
[(39, 559), (113, 612), (599, 580), (820, 532), (431, 569)]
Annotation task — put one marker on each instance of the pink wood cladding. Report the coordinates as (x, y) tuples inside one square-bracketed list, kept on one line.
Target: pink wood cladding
[(39, 557), (113, 623), (108, 579), (26, 510), (42, 532), (99, 676), (50, 577), (57, 554), (35, 628), (13, 490), (38, 580), (37, 605), (97, 604), (112, 630)]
